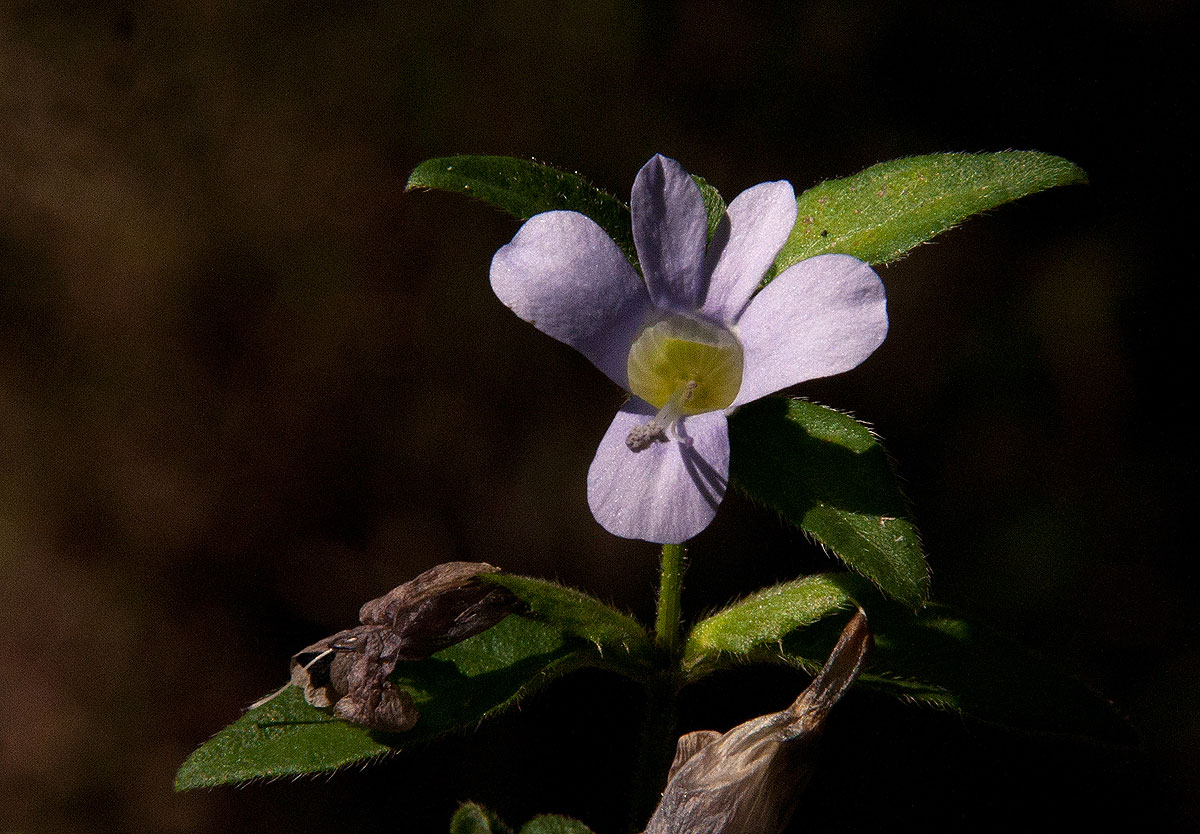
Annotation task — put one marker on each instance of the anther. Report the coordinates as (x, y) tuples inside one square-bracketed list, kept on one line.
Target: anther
[(655, 430)]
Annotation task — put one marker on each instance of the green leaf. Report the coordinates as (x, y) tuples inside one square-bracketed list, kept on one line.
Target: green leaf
[(933, 658), (714, 204), (283, 737), (453, 689), (876, 215), (523, 188), (881, 213), (617, 637), (763, 619), (551, 824), (827, 474), (471, 818)]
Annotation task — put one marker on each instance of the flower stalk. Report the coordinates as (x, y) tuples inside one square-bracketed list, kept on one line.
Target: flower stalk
[(670, 592)]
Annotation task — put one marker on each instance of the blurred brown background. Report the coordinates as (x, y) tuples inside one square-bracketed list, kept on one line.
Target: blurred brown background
[(247, 383)]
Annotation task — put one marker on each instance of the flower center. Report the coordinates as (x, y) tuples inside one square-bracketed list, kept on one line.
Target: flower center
[(681, 366)]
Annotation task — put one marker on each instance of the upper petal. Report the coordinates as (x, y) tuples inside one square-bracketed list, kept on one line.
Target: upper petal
[(567, 278), (755, 227), (670, 228), (666, 493), (819, 317)]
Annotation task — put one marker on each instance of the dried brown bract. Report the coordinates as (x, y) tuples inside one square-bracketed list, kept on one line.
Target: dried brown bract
[(349, 671), (747, 781)]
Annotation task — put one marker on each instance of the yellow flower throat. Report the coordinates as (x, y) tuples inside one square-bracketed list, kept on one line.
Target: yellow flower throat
[(681, 366)]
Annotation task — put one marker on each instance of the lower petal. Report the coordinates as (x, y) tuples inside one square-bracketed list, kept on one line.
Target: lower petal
[(666, 493)]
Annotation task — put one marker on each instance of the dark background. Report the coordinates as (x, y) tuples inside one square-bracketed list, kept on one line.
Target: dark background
[(247, 383)]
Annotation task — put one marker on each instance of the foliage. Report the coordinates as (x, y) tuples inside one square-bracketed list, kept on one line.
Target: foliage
[(819, 469)]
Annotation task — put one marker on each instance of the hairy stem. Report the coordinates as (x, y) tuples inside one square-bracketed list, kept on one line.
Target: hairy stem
[(670, 590), (657, 747)]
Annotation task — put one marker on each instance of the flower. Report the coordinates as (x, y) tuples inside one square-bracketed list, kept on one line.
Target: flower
[(691, 342)]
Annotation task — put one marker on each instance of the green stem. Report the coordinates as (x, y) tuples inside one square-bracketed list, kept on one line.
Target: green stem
[(657, 747), (670, 591)]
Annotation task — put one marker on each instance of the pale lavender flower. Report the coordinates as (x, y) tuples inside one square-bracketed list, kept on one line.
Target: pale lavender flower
[(691, 342)]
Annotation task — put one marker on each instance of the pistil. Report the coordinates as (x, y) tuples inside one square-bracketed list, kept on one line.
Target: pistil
[(667, 419)]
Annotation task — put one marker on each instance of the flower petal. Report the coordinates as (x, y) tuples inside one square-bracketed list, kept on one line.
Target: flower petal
[(666, 493), (819, 317), (670, 228), (754, 229), (564, 275)]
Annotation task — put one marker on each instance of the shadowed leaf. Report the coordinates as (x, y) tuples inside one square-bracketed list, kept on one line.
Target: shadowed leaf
[(933, 658), (824, 472), (714, 204), (455, 688), (471, 818), (553, 824), (523, 188)]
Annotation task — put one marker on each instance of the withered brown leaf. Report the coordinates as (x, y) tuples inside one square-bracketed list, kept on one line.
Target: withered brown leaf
[(350, 671), (748, 780)]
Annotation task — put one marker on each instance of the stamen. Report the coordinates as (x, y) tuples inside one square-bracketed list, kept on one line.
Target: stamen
[(655, 431)]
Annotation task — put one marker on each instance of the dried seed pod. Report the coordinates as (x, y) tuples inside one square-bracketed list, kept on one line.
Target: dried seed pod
[(349, 671), (747, 781)]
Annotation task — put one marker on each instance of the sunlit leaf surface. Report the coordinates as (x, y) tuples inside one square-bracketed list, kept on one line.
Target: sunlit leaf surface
[(879, 214)]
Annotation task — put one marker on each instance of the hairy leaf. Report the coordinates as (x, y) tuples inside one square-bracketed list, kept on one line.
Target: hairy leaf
[(523, 188), (553, 824), (883, 212), (876, 215), (827, 474), (933, 658), (471, 818), (764, 618), (454, 688), (283, 737), (619, 638)]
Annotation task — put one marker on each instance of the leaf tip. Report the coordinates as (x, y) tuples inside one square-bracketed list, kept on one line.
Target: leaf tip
[(1078, 176), (185, 779), (415, 180), (1071, 174), (916, 596)]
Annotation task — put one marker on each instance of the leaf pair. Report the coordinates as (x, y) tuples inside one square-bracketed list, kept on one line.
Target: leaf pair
[(933, 658), (475, 819), (820, 470)]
